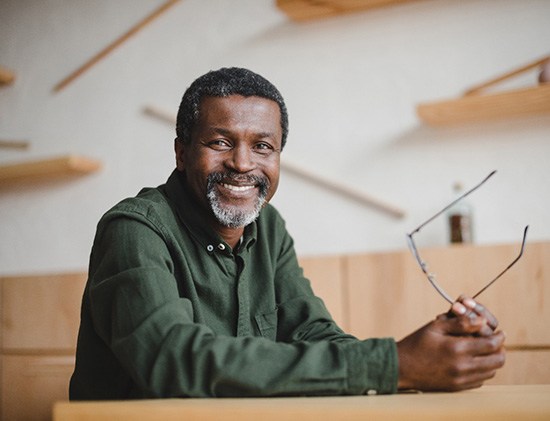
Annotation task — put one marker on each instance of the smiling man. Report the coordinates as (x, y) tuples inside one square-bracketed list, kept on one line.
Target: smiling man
[(194, 288)]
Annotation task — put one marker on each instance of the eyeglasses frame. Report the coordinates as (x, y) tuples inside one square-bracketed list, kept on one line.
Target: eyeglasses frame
[(423, 265)]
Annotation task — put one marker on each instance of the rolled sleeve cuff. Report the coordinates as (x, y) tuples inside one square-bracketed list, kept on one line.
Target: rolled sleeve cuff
[(373, 367)]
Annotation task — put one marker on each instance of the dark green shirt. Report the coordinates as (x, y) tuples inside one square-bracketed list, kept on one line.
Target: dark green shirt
[(170, 310)]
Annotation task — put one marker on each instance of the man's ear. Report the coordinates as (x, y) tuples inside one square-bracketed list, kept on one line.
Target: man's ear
[(179, 149)]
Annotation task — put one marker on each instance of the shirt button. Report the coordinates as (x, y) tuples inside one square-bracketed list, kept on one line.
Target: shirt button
[(221, 246), (209, 247), (372, 392)]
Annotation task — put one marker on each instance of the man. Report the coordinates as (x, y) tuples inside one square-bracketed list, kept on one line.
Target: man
[(194, 288)]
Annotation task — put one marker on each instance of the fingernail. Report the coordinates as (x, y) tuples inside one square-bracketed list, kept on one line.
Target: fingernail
[(459, 308), (469, 302)]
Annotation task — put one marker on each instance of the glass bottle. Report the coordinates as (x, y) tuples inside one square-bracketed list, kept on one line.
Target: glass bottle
[(460, 219)]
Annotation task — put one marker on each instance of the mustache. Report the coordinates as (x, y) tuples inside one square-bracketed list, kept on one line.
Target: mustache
[(220, 176)]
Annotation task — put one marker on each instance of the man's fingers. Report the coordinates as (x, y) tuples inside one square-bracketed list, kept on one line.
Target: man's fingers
[(489, 344), (474, 317), (468, 323), (480, 310), (482, 368), (486, 350)]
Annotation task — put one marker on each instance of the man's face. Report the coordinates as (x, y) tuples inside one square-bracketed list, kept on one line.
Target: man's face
[(232, 160)]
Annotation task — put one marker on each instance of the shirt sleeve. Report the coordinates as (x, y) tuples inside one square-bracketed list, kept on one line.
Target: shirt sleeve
[(138, 312), (304, 317)]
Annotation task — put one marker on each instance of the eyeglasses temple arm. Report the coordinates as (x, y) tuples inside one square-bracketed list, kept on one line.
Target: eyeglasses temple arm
[(453, 202), (439, 289), (422, 264), (509, 266)]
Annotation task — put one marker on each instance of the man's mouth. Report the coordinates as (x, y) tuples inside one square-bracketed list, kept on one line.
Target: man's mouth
[(235, 188), (238, 185)]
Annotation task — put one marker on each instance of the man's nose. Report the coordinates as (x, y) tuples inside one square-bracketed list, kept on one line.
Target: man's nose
[(242, 159)]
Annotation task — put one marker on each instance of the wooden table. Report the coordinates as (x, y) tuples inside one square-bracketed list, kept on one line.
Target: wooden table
[(521, 402)]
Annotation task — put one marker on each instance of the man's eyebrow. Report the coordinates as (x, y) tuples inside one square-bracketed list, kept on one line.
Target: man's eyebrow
[(270, 135), (221, 130), (227, 132)]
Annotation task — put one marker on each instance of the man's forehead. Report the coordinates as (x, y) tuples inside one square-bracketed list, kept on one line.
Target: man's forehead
[(240, 108)]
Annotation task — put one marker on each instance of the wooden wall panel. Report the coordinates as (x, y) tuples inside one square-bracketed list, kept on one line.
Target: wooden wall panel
[(390, 296), (39, 324), (524, 367), (31, 384), (327, 280), (41, 312)]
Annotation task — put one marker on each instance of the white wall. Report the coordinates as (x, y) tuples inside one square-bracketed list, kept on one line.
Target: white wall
[(351, 84)]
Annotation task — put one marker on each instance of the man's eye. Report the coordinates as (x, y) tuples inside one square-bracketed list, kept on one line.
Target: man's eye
[(219, 144), (263, 147)]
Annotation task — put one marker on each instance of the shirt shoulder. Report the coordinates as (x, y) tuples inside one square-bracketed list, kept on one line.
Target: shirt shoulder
[(270, 217), (150, 205)]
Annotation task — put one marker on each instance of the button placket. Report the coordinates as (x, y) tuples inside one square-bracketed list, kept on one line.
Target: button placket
[(243, 322)]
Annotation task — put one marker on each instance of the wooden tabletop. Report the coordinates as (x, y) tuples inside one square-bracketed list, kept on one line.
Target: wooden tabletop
[(518, 402)]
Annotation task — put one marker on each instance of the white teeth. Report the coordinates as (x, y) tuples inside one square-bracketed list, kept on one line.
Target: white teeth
[(237, 188)]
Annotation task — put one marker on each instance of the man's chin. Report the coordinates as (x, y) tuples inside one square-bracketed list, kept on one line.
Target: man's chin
[(235, 217)]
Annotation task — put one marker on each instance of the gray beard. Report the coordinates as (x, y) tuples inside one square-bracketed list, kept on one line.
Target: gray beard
[(232, 216)]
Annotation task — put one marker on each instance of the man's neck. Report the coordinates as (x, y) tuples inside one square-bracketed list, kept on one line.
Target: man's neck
[(231, 236)]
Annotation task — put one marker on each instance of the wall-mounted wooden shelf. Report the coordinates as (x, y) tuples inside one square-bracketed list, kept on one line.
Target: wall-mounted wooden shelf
[(517, 103), (303, 10), (475, 105), (6, 76), (47, 169), (14, 144)]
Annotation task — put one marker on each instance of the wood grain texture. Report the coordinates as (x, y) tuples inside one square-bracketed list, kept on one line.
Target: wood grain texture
[(497, 106), (6, 76), (305, 10), (32, 384), (508, 75), (47, 169), (524, 367), (490, 403), (328, 282), (41, 314), (392, 286)]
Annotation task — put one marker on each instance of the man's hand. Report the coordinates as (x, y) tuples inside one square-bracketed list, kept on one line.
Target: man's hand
[(458, 350)]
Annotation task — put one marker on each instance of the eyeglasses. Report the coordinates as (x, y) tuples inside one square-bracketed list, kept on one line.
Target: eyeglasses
[(423, 265)]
